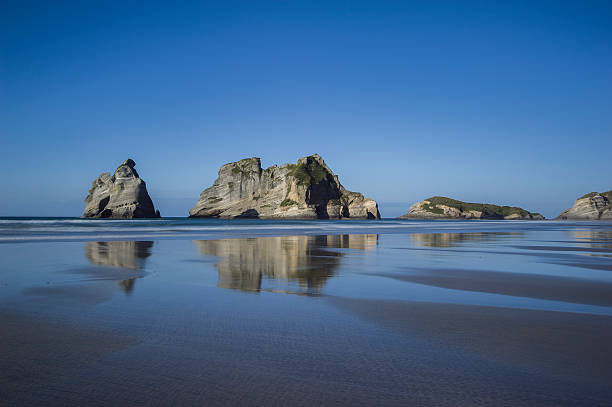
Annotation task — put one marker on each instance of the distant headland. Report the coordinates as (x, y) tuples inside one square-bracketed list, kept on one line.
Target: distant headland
[(440, 207)]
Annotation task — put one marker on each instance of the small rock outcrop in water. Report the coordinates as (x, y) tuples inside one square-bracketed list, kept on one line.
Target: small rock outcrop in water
[(305, 190), (440, 207), (122, 195), (592, 206)]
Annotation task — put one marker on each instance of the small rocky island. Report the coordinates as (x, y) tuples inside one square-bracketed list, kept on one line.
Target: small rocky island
[(439, 207), (122, 195), (305, 190), (592, 206)]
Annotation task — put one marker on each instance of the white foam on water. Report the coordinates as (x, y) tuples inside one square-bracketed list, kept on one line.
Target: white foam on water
[(87, 229)]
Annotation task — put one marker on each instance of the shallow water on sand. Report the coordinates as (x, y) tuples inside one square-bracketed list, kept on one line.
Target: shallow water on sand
[(183, 311)]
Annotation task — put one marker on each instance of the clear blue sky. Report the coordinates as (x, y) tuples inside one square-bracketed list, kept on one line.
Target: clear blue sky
[(501, 102)]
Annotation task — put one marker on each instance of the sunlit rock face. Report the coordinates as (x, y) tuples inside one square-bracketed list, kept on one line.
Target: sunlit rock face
[(592, 206), (305, 190), (129, 255), (122, 195), (298, 264)]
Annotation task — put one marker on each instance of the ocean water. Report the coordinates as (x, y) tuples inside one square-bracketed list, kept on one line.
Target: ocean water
[(263, 312), (17, 229)]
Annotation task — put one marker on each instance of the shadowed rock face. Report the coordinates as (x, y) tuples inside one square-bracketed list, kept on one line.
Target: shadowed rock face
[(592, 206), (306, 190), (122, 195), (245, 263)]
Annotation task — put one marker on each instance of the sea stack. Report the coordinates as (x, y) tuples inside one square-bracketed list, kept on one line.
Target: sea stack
[(122, 195), (305, 190), (592, 206), (440, 207)]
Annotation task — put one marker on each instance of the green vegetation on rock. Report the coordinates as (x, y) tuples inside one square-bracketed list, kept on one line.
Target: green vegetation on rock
[(488, 210), (309, 173), (287, 202), (240, 171), (432, 209), (244, 167), (589, 195)]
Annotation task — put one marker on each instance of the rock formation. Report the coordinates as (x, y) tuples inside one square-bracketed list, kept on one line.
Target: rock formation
[(122, 195), (440, 207), (593, 206), (305, 190)]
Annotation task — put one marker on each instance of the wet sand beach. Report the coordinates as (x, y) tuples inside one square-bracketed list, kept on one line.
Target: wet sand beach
[(563, 344), (392, 313), (566, 289)]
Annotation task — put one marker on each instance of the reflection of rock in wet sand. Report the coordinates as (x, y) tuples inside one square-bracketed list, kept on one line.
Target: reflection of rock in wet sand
[(302, 259), (128, 255), (127, 286), (454, 239), (594, 238)]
